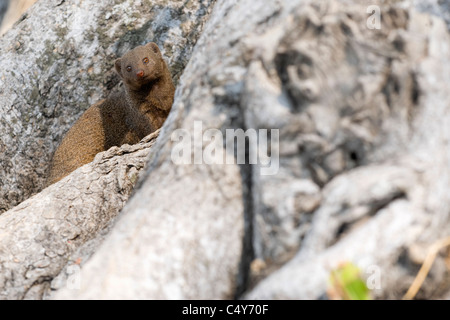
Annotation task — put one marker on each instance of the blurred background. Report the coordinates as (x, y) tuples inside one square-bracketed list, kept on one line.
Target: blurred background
[(10, 11)]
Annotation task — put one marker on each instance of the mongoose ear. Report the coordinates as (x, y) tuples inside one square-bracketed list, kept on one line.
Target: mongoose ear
[(154, 47), (118, 65)]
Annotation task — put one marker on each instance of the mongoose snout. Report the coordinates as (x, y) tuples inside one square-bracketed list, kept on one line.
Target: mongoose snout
[(140, 74)]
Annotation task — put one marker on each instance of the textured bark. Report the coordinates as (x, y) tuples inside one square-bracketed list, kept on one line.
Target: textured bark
[(47, 80), (43, 234), (181, 234), (361, 111), (356, 155), (58, 60)]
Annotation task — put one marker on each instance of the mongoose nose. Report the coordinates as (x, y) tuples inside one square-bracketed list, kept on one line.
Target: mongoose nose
[(140, 74)]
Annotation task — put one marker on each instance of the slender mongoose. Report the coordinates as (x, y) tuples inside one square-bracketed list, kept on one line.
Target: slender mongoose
[(124, 117)]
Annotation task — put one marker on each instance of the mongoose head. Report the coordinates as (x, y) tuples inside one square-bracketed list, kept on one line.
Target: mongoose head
[(140, 66)]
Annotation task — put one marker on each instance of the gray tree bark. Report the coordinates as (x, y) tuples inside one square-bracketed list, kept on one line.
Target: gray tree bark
[(59, 60), (359, 164), (55, 62), (61, 226)]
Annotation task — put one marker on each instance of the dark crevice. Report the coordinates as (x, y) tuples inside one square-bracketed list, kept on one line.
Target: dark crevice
[(415, 90), (233, 106), (302, 63), (375, 207), (405, 262), (247, 246), (38, 281), (266, 20)]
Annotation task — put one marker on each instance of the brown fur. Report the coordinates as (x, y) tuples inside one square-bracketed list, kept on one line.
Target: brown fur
[(126, 117)]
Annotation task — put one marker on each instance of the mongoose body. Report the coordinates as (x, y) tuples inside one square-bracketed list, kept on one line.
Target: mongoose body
[(125, 117)]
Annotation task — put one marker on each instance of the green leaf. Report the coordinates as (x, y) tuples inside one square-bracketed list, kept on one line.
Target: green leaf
[(346, 283)]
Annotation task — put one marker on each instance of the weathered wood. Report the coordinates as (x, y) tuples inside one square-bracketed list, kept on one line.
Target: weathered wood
[(59, 59)]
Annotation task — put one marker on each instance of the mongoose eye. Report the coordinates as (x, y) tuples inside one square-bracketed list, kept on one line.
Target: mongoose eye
[(129, 69), (145, 60)]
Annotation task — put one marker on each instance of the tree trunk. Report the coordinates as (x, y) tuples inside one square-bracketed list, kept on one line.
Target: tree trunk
[(59, 60), (63, 224)]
